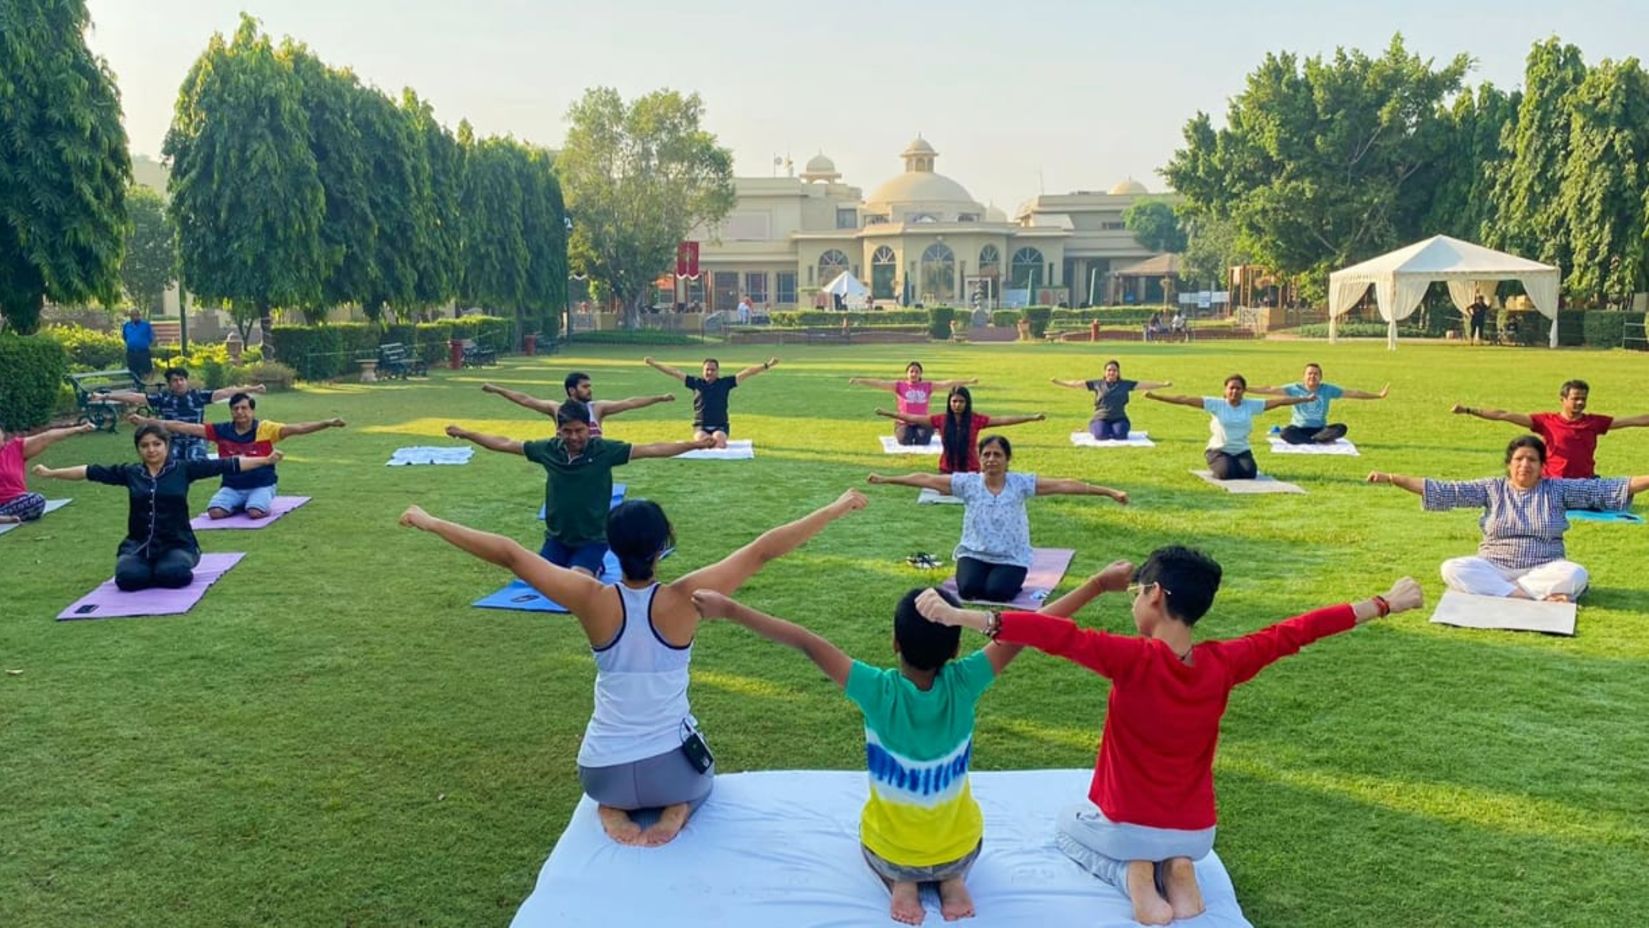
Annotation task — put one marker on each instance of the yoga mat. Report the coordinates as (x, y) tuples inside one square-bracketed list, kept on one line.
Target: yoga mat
[(1612, 516), (1467, 610), (280, 507), (928, 497), (1047, 566), (109, 602), (52, 505), (1260, 484), (890, 445), (619, 490), (1135, 440), (1338, 446), (735, 451), (781, 848), (429, 454), (520, 596)]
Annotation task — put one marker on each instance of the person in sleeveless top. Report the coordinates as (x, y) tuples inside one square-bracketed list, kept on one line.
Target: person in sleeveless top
[(642, 748)]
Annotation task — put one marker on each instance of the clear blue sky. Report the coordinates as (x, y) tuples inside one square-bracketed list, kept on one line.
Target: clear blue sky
[(1056, 95)]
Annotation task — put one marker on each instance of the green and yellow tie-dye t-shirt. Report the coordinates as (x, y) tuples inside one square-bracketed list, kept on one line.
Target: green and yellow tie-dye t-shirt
[(918, 745)]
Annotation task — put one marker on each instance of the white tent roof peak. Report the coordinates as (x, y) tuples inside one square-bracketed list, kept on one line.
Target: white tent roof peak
[(846, 285), (1442, 254)]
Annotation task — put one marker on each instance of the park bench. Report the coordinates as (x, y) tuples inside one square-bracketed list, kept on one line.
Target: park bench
[(476, 355), (395, 361), (91, 394)]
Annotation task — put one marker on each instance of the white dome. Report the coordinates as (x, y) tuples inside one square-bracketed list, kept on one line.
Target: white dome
[(1129, 187), (919, 147), (819, 164), (995, 214), (923, 187)]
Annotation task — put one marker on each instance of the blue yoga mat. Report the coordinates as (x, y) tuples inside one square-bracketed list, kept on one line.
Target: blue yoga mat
[(1592, 515), (618, 497), (520, 596)]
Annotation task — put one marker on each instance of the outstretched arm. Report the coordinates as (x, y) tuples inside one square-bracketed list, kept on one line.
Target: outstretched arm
[(1060, 486), (878, 384), (35, 444), (219, 396), (1149, 385), (665, 369), (1195, 402), (573, 589), (1113, 578), (605, 408), (828, 657), (305, 428), (1077, 384), (127, 397), (170, 425), (269, 460), (906, 418), (729, 573), (1629, 422), (754, 369), (546, 407), (1277, 401), (939, 483), (669, 449), (1365, 395), (1415, 485), (952, 384), (1496, 415), (60, 473), (997, 421), (489, 442)]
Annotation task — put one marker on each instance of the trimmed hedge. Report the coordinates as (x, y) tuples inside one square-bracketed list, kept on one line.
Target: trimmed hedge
[(1356, 330), (1038, 316), (35, 366), (321, 352), (939, 322), (89, 349), (1606, 328), (803, 318)]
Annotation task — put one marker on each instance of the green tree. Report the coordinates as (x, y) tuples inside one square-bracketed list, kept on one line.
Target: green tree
[(1155, 225), (397, 199), (245, 193), (1463, 179), (1603, 186), (544, 228), (150, 265), (64, 166), (1529, 216), (495, 251), (331, 100), (437, 246), (1211, 250), (638, 177)]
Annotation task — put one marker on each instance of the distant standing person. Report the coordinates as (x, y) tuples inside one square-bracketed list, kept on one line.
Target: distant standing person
[(1110, 421), (710, 394), (1228, 455), (139, 336), (1310, 423), (1476, 314), (578, 390), (913, 394)]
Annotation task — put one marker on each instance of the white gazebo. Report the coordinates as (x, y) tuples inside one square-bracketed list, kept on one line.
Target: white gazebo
[(1400, 279), (849, 288)]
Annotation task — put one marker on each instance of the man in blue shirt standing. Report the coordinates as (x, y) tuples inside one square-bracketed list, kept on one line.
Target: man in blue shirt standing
[(139, 336), (1310, 424)]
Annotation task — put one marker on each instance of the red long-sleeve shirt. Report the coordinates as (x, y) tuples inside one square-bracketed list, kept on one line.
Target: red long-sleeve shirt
[(1162, 721)]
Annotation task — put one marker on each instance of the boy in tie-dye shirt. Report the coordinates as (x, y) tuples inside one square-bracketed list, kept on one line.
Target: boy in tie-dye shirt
[(920, 823)]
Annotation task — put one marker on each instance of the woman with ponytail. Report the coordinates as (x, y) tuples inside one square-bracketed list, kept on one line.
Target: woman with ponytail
[(959, 429), (642, 748)]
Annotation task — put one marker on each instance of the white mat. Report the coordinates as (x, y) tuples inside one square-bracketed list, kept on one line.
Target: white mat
[(1135, 440), (1468, 610), (890, 445), (430, 454), (52, 505), (735, 451), (929, 496), (781, 848), (1338, 446), (1260, 484)]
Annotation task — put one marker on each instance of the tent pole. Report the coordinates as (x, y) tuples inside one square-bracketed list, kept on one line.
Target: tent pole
[(1331, 320), (1554, 332), (1391, 335)]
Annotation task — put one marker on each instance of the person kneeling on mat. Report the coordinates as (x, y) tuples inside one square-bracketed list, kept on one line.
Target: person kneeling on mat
[(1150, 810), (1309, 424), (642, 748), (1522, 554), (159, 548), (995, 554), (1229, 455), (919, 720)]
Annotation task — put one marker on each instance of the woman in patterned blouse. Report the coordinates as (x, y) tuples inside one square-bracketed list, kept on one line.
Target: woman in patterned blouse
[(1521, 555)]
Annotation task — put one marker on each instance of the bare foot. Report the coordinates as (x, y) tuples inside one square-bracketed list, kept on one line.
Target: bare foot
[(668, 825), (1149, 906), (618, 825), (907, 904), (8, 520), (1184, 896), (1558, 598), (954, 901), (216, 514)]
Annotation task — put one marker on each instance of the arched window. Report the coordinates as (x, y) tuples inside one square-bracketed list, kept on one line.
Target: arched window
[(884, 266), (1027, 271), (831, 263), (990, 262), (939, 273)]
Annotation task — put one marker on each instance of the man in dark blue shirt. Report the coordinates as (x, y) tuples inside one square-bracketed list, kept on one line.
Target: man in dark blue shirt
[(180, 403), (139, 336)]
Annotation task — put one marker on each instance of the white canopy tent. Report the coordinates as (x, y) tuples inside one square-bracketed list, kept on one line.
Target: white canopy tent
[(849, 288), (1400, 279)]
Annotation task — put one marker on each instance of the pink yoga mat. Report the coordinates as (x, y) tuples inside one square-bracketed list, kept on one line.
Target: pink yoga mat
[(280, 507), (1048, 565), (109, 602)]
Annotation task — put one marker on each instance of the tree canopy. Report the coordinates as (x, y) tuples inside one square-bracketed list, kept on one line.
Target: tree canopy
[(150, 265), (1155, 225)]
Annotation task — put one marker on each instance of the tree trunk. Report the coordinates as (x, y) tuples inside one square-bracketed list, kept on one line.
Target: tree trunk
[(23, 314), (266, 323)]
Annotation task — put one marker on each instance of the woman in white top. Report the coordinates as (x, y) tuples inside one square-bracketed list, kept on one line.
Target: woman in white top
[(1228, 455), (994, 554), (642, 748)]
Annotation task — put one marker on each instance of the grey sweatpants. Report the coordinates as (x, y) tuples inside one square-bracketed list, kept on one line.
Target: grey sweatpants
[(651, 783), (1103, 847)]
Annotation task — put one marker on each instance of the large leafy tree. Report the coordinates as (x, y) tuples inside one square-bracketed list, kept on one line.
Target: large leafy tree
[(544, 227), (64, 167), (638, 177), (436, 248), (398, 199), (331, 101), (150, 265), (1604, 182), (1529, 217), (245, 193), (1155, 225), (495, 250), (1463, 179)]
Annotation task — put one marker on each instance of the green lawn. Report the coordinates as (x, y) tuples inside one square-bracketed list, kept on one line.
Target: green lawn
[(334, 737)]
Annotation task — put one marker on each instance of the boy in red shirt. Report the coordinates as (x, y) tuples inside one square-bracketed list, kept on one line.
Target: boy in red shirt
[(1570, 436), (1151, 807)]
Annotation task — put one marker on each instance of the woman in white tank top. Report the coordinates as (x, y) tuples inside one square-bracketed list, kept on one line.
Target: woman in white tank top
[(641, 748)]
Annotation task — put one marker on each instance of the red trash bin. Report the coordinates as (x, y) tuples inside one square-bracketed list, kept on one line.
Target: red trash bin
[(456, 356), (1093, 331), (529, 344)]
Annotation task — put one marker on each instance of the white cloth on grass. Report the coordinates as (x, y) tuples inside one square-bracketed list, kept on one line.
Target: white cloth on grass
[(891, 445), (1135, 440), (735, 451), (430, 454), (1337, 446)]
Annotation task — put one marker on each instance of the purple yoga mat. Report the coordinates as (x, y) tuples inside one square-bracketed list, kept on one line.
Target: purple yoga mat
[(280, 507), (108, 602), (1048, 565)]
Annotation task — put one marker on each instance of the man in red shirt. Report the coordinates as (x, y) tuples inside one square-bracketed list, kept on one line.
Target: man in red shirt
[(1570, 436), (1151, 813)]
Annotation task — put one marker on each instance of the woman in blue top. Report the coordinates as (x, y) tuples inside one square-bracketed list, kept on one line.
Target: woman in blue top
[(1228, 455)]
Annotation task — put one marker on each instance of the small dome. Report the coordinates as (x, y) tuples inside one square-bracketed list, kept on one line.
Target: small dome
[(819, 164), (1129, 187), (924, 187), (919, 147)]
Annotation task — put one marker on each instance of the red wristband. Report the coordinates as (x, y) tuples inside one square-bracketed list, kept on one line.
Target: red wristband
[(1383, 606)]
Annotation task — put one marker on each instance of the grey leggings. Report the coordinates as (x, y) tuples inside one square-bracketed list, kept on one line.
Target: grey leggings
[(651, 783), (1103, 847)]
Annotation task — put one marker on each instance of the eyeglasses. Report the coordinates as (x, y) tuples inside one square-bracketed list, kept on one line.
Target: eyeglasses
[(1135, 589)]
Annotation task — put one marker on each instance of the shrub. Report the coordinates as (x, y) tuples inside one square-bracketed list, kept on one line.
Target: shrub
[(276, 376), (1357, 330), (88, 349), (431, 342), (208, 366), (799, 318), (34, 367), (1038, 317), (1004, 318), (643, 337), (1108, 316), (321, 352), (939, 320), (498, 333), (400, 333)]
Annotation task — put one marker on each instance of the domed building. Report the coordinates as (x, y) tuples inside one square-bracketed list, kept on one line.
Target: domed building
[(918, 237)]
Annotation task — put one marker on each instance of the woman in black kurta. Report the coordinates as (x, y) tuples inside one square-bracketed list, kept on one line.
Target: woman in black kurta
[(159, 548)]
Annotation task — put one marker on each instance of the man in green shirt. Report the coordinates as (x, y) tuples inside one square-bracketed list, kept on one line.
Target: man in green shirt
[(578, 485)]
